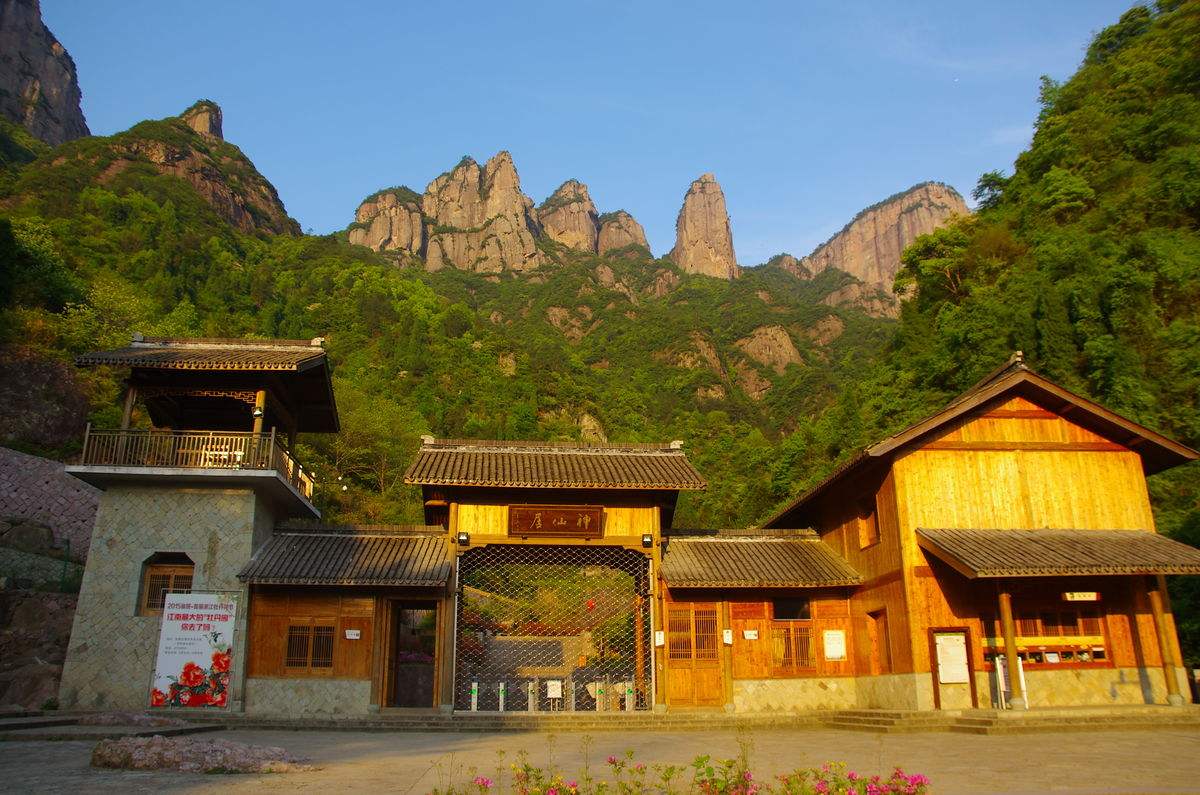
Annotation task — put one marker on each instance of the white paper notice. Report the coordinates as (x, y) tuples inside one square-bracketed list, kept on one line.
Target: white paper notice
[(554, 688), (952, 658), (835, 644)]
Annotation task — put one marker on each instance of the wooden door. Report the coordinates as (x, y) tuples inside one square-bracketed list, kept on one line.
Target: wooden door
[(694, 674)]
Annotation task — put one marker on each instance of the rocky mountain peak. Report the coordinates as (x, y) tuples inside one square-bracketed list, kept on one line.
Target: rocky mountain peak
[(703, 239), (570, 217), (869, 247), (39, 88), (205, 118), (618, 230)]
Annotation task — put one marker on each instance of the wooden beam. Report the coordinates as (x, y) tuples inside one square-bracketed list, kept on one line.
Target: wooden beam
[(127, 412), (1165, 646), (1016, 698)]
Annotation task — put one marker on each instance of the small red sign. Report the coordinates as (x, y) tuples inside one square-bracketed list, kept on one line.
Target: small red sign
[(575, 521)]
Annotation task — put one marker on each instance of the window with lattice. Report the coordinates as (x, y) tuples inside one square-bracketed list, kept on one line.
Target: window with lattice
[(163, 574), (309, 647)]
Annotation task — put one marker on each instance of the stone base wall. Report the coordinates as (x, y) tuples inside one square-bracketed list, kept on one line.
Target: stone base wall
[(787, 695), (895, 691), (38, 490), (111, 656), (1096, 686), (295, 698)]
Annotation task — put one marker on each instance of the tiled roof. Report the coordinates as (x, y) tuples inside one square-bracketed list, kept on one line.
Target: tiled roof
[(754, 561), (210, 354), (548, 465), (413, 559), (1045, 553)]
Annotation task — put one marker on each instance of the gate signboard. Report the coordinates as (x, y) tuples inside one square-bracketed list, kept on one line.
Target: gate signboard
[(559, 521), (195, 650)]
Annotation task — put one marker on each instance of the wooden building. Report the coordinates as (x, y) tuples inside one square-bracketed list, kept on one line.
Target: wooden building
[(1014, 524)]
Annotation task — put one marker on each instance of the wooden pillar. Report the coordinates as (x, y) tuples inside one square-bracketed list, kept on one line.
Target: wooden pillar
[(127, 412), (260, 409), (1016, 698), (1166, 648)]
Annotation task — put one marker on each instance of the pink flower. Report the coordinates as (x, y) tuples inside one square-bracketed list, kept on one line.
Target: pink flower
[(552, 791), (483, 782), (612, 760), (821, 786), (852, 776), (748, 776), (639, 767)]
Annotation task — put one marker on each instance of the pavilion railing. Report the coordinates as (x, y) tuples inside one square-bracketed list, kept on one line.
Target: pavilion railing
[(194, 450)]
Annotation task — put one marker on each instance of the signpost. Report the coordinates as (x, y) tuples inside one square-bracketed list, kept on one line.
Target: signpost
[(195, 650)]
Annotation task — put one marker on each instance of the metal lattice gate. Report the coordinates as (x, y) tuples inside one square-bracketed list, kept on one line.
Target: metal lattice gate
[(546, 628)]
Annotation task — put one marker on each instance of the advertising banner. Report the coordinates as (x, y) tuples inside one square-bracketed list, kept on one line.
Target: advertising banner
[(195, 650)]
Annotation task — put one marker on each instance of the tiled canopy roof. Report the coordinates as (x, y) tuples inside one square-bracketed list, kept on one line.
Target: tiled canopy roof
[(412, 559), (164, 353), (798, 561), (1046, 553), (549, 465)]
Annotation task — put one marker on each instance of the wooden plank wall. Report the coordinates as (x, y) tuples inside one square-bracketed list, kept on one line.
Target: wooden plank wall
[(272, 610), (1016, 466), (881, 566)]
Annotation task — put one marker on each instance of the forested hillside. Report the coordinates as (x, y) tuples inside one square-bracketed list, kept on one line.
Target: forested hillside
[(1086, 257), (622, 346)]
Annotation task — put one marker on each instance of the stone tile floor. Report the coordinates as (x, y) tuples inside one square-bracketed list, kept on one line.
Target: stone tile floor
[(1162, 761)]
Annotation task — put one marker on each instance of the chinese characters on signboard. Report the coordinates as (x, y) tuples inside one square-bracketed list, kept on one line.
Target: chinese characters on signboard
[(195, 651), (585, 521)]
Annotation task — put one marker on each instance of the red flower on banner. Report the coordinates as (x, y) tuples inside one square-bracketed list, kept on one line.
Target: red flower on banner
[(217, 699), (220, 661), (158, 698), (191, 675), (185, 697)]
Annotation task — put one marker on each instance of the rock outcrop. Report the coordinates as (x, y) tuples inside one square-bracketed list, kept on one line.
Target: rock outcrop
[(872, 300), (205, 118), (218, 171), (618, 230), (771, 346), (703, 240), (391, 220), (790, 264), (869, 247), (39, 88), (473, 218), (569, 217), (481, 220)]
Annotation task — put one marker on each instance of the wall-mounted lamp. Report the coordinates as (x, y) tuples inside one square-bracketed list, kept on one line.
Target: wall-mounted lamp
[(647, 540), (464, 539), (258, 412)]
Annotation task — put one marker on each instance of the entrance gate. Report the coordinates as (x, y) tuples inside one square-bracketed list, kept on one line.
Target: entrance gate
[(547, 628)]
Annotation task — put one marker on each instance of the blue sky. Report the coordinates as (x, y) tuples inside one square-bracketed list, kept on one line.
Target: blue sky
[(805, 111)]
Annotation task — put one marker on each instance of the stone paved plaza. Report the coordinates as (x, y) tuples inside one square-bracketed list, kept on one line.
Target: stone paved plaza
[(1101, 762)]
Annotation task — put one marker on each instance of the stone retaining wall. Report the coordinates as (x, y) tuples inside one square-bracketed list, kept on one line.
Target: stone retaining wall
[(37, 489)]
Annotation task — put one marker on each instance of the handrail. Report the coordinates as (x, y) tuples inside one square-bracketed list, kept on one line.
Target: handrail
[(194, 450)]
